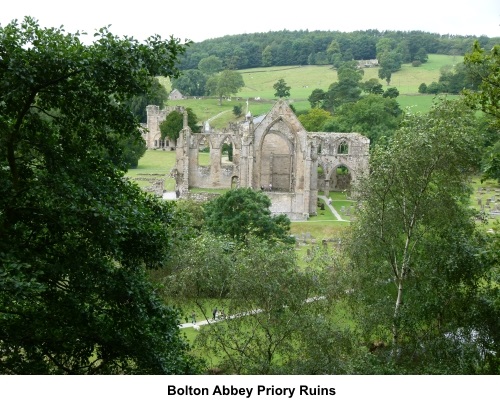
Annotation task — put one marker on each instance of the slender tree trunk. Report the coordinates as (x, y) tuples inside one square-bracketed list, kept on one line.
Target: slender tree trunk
[(395, 328)]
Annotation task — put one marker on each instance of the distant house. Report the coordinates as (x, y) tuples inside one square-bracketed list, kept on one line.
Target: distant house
[(367, 63), (175, 95)]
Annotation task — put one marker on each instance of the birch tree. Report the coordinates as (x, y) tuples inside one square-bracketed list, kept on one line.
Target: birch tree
[(412, 245)]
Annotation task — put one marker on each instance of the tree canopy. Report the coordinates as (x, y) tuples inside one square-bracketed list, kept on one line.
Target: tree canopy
[(288, 48), (76, 239), (485, 66), (190, 83), (174, 123), (347, 89), (282, 89), (373, 116), (315, 119), (243, 212), (415, 254), (157, 95), (226, 83), (210, 65)]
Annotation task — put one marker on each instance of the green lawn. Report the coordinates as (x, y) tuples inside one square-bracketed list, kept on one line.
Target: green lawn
[(154, 164)]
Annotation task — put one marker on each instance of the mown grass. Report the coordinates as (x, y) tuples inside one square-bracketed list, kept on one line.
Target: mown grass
[(154, 163), (420, 103)]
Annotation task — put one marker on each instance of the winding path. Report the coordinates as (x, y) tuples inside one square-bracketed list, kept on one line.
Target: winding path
[(334, 211), (218, 115)]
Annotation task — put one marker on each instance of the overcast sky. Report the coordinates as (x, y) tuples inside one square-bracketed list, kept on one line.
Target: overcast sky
[(202, 19)]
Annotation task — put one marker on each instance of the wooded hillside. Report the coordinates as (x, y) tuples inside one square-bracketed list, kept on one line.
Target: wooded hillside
[(286, 48)]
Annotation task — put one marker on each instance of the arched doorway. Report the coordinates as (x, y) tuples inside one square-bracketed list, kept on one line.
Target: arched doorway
[(340, 178), (235, 182)]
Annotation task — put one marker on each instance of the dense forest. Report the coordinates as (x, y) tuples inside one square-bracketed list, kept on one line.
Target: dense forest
[(285, 48)]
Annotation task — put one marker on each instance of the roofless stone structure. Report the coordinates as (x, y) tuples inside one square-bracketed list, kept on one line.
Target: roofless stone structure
[(273, 153)]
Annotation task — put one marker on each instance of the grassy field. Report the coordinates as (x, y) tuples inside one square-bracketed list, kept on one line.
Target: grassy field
[(154, 164), (303, 80)]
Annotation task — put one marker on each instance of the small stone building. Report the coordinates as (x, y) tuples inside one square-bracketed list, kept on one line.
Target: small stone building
[(272, 152), (175, 95)]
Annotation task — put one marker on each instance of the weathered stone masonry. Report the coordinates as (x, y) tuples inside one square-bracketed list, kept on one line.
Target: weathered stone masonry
[(271, 150)]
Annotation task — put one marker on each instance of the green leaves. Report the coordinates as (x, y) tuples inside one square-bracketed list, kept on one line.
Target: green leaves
[(76, 238), (174, 123), (282, 90), (413, 247), (242, 212), (226, 83)]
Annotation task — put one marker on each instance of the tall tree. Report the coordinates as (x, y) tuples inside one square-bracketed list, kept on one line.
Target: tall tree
[(372, 86), (190, 83), (389, 62), (485, 67), (174, 122), (226, 83), (276, 316), (157, 95), (282, 89), (210, 65), (414, 247), (314, 119), (76, 239), (316, 98), (267, 56), (347, 89), (373, 116)]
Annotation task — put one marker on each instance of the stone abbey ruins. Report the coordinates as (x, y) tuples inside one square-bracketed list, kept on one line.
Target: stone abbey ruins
[(273, 153)]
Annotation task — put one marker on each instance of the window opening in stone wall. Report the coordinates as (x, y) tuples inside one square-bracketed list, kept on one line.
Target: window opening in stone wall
[(227, 152), (160, 143), (343, 148), (235, 182), (204, 152)]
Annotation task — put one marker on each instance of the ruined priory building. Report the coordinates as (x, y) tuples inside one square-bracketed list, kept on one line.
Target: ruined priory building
[(273, 153)]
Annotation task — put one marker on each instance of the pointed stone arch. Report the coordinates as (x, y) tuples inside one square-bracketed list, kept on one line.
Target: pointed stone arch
[(230, 150), (340, 177), (277, 152)]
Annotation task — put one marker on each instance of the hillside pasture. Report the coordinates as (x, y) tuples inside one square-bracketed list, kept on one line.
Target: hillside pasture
[(259, 91)]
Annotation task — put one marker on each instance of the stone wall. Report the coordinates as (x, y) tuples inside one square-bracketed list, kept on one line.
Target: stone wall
[(273, 150), (152, 134)]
